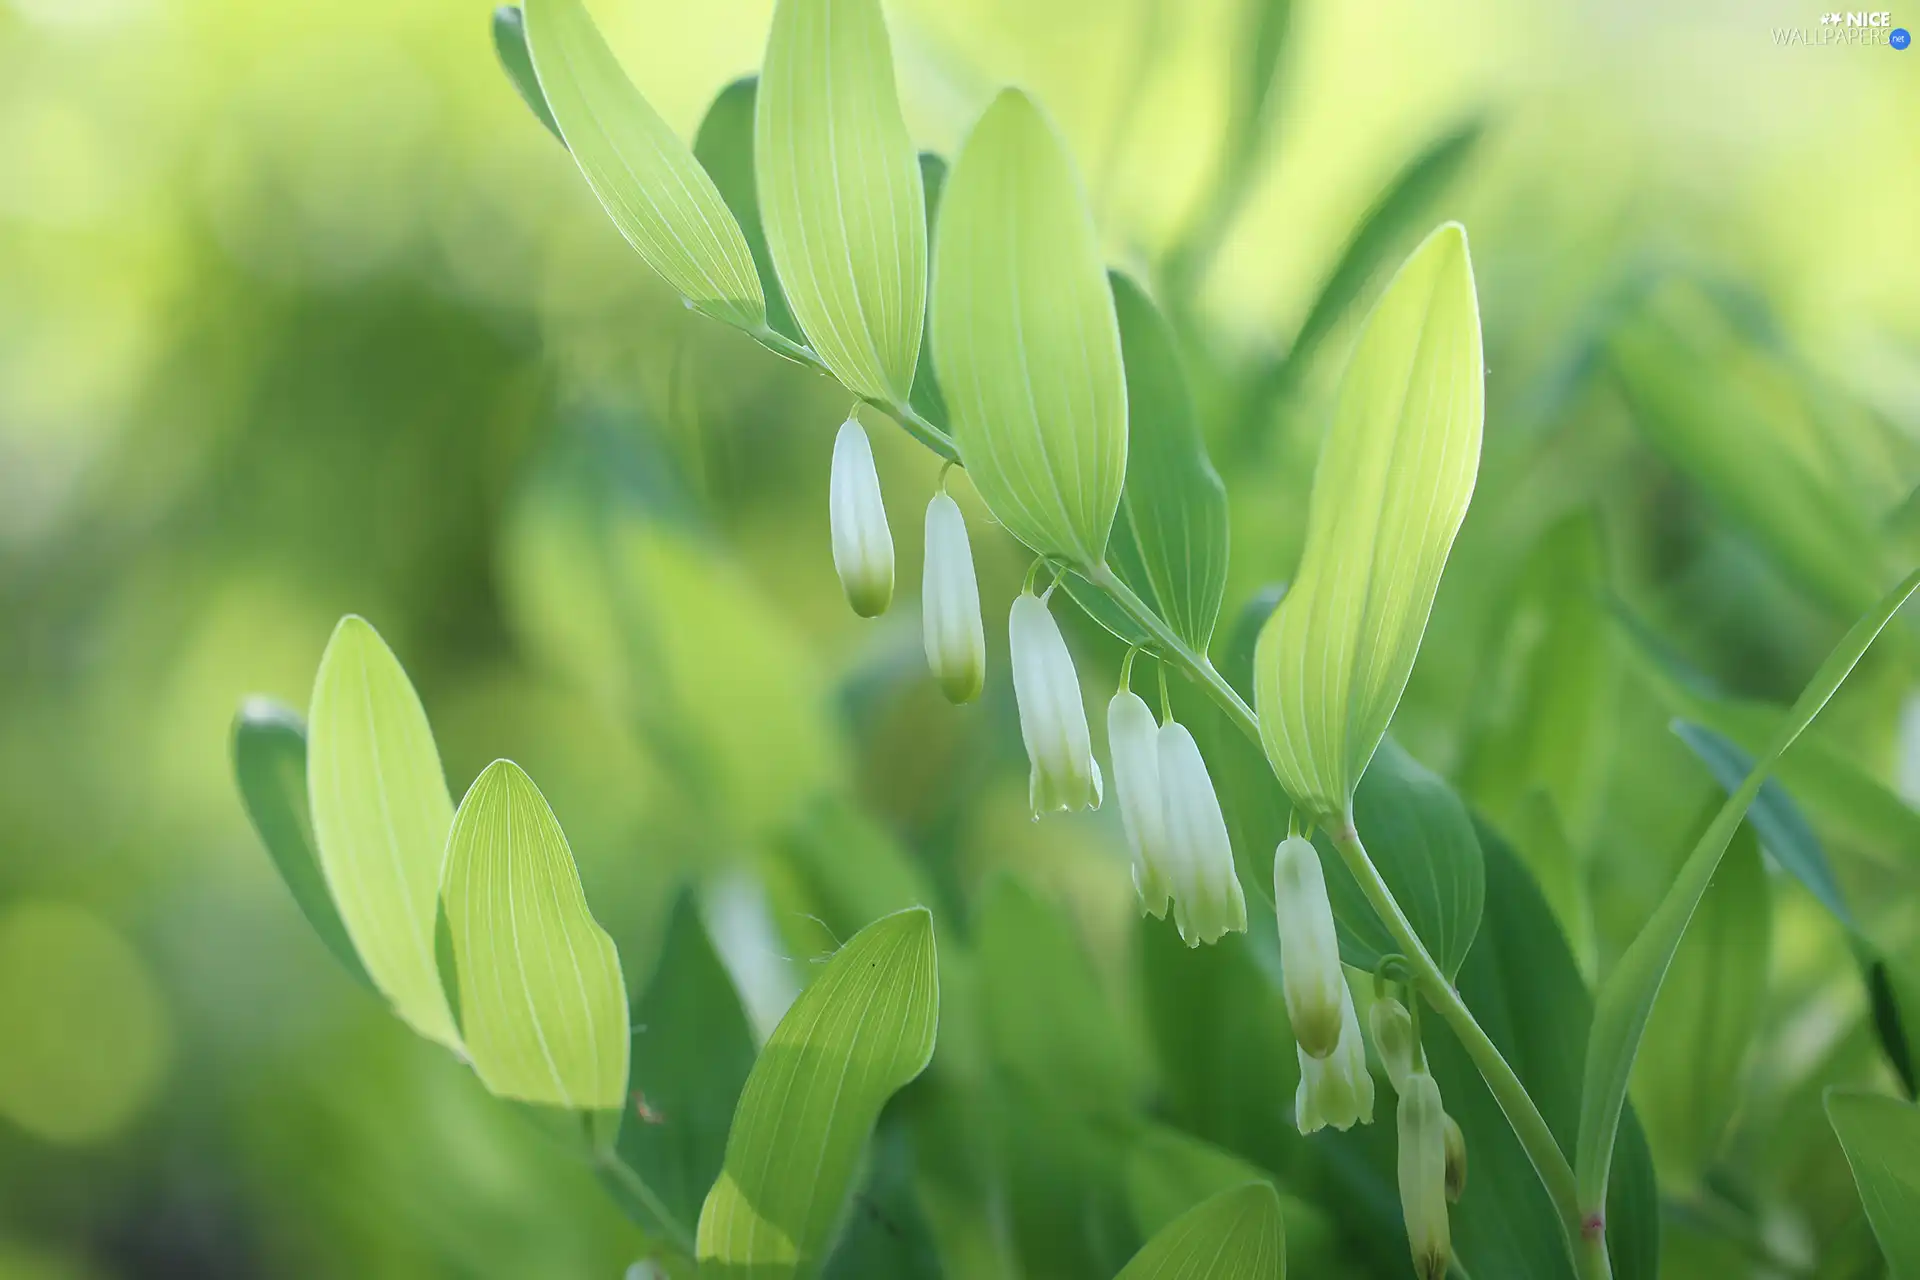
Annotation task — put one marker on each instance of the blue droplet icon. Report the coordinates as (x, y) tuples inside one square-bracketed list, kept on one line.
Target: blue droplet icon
[(1899, 38)]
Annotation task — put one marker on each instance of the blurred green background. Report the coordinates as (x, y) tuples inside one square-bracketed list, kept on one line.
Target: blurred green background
[(301, 313)]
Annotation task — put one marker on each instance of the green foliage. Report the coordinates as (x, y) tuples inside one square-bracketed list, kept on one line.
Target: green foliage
[(510, 43), (827, 123), (1237, 1235), (860, 1031), (724, 148), (1882, 1140), (657, 194), (1390, 491), (1025, 338)]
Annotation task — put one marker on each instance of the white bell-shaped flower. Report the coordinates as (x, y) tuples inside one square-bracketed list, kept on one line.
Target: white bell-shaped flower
[(1336, 1090), (1053, 720), (1133, 736), (1392, 1028), (862, 543), (950, 604), (1423, 1175), (1207, 903), (1315, 987)]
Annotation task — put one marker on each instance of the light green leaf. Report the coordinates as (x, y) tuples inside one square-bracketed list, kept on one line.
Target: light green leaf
[(691, 1051), (1237, 1235), (1170, 541), (542, 1002), (1423, 843), (1881, 1137), (510, 43), (864, 1028), (381, 814), (1025, 338), (270, 764), (1170, 1171), (926, 396), (1393, 483), (840, 191), (1686, 1080), (655, 191), (1627, 997), (724, 147)]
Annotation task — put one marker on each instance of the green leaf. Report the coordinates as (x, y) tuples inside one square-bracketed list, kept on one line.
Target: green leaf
[(654, 190), (926, 396), (841, 193), (1881, 1137), (1170, 541), (1170, 1172), (691, 1051), (1268, 23), (1237, 1235), (864, 1028), (1423, 842), (542, 1002), (1686, 1080), (724, 147), (381, 814), (886, 1232), (510, 43), (270, 764), (1627, 997), (1393, 483), (1025, 337), (1893, 995)]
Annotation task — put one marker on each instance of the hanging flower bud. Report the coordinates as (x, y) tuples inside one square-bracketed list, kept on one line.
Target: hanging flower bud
[(1309, 948), (862, 544), (1393, 1039), (1133, 738), (1053, 721), (1208, 903), (1456, 1160), (1423, 1175), (950, 604), (1336, 1090)]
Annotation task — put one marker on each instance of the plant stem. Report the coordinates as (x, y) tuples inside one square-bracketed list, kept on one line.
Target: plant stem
[(1588, 1249), (1175, 650), (905, 414)]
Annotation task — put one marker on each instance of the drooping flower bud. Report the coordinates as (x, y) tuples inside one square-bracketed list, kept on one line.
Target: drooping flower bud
[(1393, 1039), (862, 543), (1336, 1090), (1423, 1175), (1456, 1160), (1208, 903), (1309, 949), (1053, 720), (1133, 738), (950, 604)]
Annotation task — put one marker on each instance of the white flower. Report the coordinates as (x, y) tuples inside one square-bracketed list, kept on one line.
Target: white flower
[(1309, 948), (1336, 1090), (1133, 738), (950, 604), (862, 544), (1207, 899), (1392, 1028), (1053, 721), (1423, 1175)]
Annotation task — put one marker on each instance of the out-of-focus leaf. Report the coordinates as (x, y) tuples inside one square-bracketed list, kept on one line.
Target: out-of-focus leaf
[(1686, 1081), (1402, 205), (270, 764), (1893, 996), (1266, 26), (510, 43), (1049, 1025), (840, 192), (543, 1006), (724, 147), (691, 1051), (1170, 539), (1170, 1172), (1521, 982), (1395, 475), (1627, 997), (1025, 338), (851, 868), (1559, 870), (381, 814), (886, 1233), (926, 397), (643, 174), (1881, 1137), (1236, 1235), (1422, 841), (864, 1028)]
